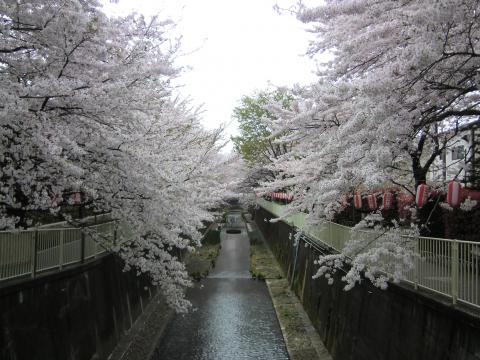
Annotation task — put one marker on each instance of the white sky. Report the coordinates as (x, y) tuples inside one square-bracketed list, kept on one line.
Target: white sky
[(241, 46)]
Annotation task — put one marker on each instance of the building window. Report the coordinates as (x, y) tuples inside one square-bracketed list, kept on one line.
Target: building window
[(458, 153)]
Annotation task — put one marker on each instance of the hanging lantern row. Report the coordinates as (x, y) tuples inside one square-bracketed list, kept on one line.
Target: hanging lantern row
[(455, 194), (387, 201), (280, 196), (75, 198)]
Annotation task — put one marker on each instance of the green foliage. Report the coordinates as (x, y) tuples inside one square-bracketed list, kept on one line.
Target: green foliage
[(212, 237), (254, 143), (200, 262)]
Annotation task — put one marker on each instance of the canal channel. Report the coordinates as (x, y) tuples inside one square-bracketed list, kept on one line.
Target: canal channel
[(234, 316)]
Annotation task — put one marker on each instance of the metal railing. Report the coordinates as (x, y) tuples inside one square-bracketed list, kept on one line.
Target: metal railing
[(29, 252), (89, 220), (446, 266)]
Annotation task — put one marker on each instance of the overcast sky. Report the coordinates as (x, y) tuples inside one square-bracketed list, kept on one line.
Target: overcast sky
[(233, 47)]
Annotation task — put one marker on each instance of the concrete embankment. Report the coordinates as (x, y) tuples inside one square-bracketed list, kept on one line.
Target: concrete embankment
[(77, 314), (371, 324)]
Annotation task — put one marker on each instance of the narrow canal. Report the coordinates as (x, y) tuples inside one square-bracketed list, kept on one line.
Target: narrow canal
[(235, 318)]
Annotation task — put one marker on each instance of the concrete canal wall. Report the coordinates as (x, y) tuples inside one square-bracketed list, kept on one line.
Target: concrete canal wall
[(77, 314), (371, 324)]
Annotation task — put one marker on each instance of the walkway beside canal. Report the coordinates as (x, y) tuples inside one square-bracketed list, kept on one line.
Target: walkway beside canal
[(235, 318), (302, 340)]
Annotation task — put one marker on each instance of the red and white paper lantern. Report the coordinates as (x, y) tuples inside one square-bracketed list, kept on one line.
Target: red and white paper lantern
[(75, 198), (372, 201), (454, 193), (421, 197), (387, 201), (56, 200), (357, 201)]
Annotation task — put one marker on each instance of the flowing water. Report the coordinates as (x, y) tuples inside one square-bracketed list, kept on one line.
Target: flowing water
[(234, 319)]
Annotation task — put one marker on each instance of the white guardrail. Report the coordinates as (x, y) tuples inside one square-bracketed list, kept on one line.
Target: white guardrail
[(29, 252), (446, 266)]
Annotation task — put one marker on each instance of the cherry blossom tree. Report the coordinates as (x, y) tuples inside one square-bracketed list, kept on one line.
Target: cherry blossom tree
[(241, 180), (402, 72), (86, 105)]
